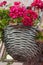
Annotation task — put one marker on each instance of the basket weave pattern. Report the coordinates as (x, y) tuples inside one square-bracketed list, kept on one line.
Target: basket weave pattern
[(20, 43)]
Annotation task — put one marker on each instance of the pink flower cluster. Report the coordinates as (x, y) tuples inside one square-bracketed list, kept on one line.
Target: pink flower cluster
[(41, 6), (38, 4), (3, 3), (28, 16), (32, 14), (27, 21), (17, 10), (17, 3)]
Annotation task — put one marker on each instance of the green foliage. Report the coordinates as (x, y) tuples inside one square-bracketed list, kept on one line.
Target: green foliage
[(39, 36), (36, 22), (4, 19), (18, 20)]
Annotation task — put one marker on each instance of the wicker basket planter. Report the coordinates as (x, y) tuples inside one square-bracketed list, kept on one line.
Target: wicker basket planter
[(20, 42)]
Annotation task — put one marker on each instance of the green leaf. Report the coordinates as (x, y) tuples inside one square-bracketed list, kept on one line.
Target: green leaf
[(15, 20), (36, 22), (3, 23), (19, 19)]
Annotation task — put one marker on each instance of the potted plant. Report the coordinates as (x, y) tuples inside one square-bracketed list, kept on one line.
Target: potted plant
[(19, 33)]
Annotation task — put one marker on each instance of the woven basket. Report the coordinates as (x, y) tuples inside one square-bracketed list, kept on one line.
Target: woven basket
[(20, 42)]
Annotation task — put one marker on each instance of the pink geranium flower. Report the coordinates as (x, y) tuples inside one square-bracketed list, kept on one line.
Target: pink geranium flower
[(37, 3), (27, 21), (28, 16), (3, 3), (17, 3), (17, 10), (41, 5), (33, 14)]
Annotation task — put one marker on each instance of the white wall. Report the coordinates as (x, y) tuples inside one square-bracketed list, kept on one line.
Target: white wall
[(25, 2)]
